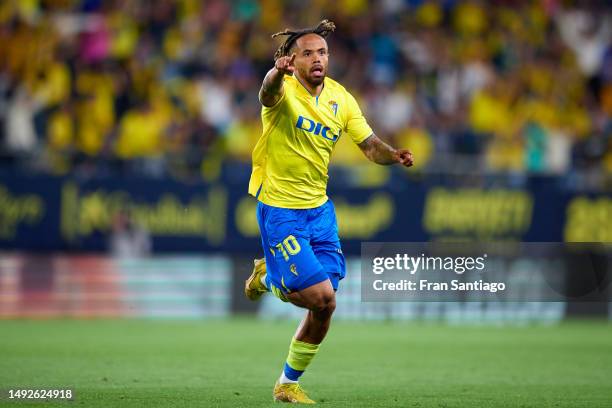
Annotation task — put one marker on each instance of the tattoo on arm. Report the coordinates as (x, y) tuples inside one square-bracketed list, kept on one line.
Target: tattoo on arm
[(271, 88), (378, 151)]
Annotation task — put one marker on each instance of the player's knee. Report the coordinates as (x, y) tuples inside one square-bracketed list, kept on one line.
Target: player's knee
[(324, 303), (331, 305)]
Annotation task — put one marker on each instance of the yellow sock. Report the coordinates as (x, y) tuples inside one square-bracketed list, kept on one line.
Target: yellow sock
[(300, 355), (278, 293)]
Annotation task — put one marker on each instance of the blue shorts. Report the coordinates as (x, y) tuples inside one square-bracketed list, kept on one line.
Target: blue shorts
[(301, 247)]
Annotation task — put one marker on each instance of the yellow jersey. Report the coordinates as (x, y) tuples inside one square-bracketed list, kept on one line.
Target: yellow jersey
[(291, 158)]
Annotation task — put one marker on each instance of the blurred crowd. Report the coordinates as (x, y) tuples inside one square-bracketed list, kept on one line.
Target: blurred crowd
[(170, 87)]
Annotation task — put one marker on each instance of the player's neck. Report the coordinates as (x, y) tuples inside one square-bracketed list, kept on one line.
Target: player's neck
[(312, 90)]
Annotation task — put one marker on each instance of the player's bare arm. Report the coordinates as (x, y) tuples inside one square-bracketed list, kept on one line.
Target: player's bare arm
[(272, 86), (381, 153)]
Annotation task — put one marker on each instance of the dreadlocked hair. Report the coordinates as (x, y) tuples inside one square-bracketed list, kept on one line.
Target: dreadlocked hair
[(323, 29)]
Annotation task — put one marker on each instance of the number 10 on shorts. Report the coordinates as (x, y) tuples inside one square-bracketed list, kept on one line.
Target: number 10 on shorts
[(289, 246)]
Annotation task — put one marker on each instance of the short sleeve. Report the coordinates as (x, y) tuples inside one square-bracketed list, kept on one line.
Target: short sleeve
[(356, 125)]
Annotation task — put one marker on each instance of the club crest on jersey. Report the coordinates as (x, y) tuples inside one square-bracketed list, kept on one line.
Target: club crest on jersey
[(316, 128), (334, 107)]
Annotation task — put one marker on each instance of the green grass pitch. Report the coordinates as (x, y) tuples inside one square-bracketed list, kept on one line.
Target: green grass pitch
[(234, 363)]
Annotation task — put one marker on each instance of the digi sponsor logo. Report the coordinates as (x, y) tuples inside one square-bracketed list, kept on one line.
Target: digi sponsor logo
[(316, 128)]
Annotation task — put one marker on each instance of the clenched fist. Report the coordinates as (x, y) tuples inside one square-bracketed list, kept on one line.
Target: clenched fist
[(404, 157)]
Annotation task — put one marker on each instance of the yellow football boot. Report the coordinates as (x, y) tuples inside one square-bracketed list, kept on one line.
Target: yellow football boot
[(253, 288), (290, 393)]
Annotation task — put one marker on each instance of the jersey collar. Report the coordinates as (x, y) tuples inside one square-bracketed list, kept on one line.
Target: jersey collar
[(305, 90)]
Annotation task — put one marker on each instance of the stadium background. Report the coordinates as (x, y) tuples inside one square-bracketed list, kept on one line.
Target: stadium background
[(126, 130)]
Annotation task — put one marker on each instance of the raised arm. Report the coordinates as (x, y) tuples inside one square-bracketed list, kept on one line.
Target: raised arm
[(272, 86), (381, 153)]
